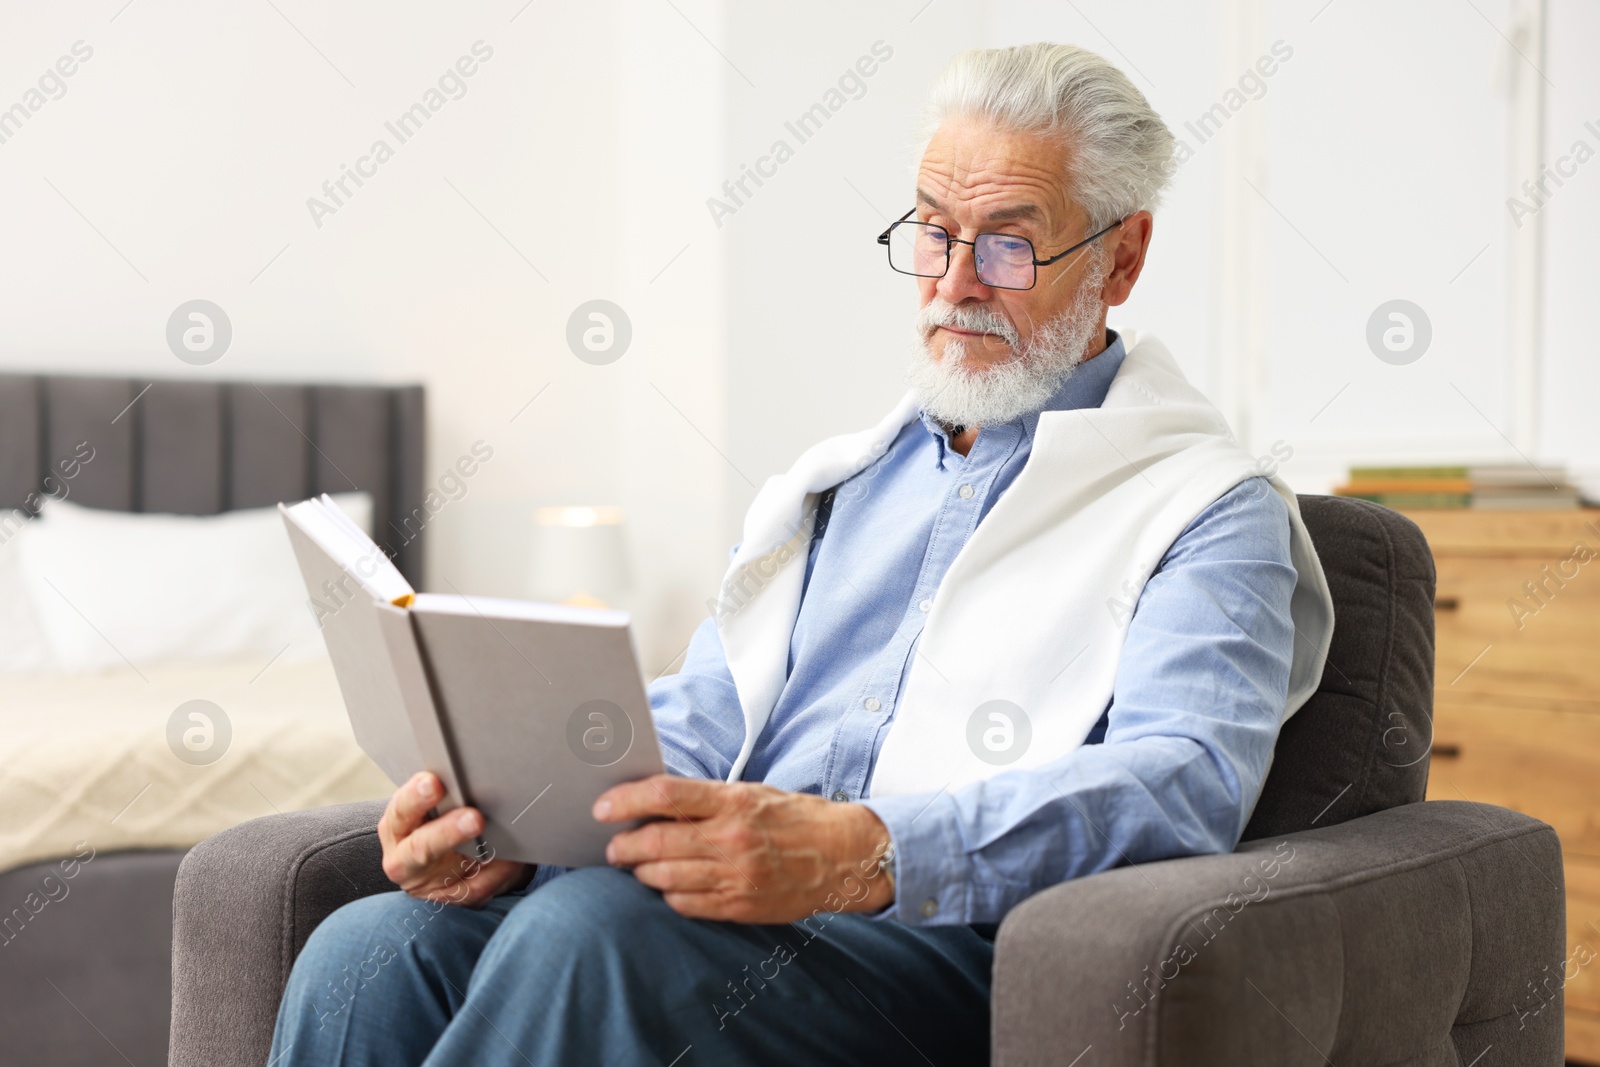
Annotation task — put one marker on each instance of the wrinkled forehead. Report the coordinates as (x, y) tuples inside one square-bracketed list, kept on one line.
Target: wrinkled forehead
[(977, 173)]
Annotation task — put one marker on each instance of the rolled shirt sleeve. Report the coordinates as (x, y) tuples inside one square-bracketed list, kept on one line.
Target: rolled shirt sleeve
[(696, 711)]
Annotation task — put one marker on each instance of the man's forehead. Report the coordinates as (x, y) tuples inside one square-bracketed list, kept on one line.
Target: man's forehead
[(1002, 209), (1000, 174)]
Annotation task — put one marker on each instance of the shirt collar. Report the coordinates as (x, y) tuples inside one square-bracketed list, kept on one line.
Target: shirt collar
[(1085, 387)]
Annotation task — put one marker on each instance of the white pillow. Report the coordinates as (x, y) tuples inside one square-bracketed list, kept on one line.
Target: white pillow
[(356, 505), (112, 587), (23, 648)]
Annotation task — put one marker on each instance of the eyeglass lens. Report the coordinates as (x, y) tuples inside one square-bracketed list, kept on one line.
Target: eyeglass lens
[(1004, 261)]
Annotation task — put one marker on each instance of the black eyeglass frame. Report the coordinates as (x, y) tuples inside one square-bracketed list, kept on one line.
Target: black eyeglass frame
[(883, 239)]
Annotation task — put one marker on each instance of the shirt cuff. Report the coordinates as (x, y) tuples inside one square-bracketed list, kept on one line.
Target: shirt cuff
[(933, 877)]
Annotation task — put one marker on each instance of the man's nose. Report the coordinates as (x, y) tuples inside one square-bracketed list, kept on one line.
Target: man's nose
[(961, 282)]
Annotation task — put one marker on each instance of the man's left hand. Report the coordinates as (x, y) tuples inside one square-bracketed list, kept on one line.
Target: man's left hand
[(745, 852)]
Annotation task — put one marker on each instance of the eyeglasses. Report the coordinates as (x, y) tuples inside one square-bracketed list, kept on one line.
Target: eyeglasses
[(1003, 260)]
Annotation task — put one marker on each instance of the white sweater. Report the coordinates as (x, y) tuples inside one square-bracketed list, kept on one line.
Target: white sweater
[(1049, 576)]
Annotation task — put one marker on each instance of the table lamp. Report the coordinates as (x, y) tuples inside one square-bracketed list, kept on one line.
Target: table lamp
[(580, 556)]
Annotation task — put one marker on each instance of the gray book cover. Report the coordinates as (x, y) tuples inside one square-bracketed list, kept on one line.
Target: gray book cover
[(526, 711)]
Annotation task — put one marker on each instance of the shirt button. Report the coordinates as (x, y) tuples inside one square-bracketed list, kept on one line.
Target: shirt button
[(871, 704), (966, 492), (925, 607), (841, 796), (930, 908)]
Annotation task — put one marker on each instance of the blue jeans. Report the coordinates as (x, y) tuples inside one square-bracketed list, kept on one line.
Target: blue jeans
[(594, 968)]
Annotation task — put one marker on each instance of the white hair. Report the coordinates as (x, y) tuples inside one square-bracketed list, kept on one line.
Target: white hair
[(1121, 150)]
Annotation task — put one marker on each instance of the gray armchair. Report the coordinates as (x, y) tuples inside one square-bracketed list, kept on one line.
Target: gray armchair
[(1356, 924)]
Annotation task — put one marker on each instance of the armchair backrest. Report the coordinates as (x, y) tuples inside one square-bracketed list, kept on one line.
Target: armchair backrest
[(1361, 743)]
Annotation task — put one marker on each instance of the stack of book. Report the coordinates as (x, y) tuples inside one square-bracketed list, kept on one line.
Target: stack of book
[(1502, 486)]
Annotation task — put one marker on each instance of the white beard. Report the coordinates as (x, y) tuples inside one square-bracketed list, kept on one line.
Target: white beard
[(956, 395)]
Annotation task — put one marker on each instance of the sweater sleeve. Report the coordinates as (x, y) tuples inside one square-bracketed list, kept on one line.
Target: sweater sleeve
[(1196, 708)]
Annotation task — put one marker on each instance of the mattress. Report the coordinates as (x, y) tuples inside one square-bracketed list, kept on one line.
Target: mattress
[(119, 760)]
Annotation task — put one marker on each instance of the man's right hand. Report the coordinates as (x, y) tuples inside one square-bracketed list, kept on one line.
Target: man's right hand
[(419, 854)]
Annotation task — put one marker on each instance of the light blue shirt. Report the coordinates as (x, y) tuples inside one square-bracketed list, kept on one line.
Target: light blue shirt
[(1173, 768)]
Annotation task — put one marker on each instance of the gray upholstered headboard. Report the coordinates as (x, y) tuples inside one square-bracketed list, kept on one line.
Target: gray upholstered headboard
[(197, 448)]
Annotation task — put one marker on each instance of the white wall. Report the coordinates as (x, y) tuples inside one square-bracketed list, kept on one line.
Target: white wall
[(1383, 179), (179, 161), (1570, 379), (192, 138)]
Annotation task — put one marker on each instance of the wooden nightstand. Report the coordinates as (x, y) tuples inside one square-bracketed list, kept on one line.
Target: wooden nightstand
[(1517, 701)]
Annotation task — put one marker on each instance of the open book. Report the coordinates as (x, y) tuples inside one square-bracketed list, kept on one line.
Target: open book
[(525, 711)]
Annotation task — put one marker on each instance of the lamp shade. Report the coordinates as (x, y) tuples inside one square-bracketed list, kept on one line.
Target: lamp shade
[(579, 556)]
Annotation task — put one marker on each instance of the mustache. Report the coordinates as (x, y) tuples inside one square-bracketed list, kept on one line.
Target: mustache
[(973, 317)]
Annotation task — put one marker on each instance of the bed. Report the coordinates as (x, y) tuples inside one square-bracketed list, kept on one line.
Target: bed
[(97, 811)]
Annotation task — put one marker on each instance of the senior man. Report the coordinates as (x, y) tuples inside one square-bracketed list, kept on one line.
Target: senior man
[(1038, 622)]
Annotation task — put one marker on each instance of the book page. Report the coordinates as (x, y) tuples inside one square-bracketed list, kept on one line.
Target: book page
[(349, 546), (534, 611)]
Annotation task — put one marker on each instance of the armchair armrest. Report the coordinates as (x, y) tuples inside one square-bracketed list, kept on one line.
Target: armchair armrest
[(246, 901), (1386, 939)]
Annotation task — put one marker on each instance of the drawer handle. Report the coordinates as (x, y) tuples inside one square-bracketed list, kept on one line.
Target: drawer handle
[(1447, 603), (1447, 751)]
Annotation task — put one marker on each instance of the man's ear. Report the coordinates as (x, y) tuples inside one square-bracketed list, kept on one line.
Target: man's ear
[(1129, 243)]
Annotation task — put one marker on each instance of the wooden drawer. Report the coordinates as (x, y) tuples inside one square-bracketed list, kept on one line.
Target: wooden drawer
[(1494, 637), (1536, 534), (1532, 760), (1517, 700), (1583, 1036), (1583, 934)]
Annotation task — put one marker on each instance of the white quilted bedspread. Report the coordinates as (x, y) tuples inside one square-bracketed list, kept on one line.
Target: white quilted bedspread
[(87, 759)]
